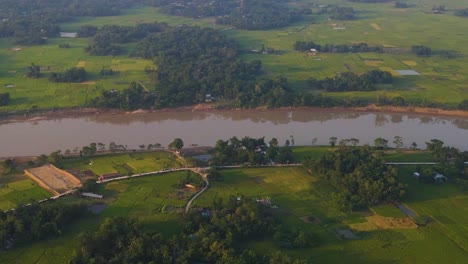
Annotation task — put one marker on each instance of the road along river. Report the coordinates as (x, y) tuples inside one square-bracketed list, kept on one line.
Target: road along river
[(204, 128)]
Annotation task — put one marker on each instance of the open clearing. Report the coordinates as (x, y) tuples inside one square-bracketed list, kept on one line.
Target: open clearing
[(55, 180)]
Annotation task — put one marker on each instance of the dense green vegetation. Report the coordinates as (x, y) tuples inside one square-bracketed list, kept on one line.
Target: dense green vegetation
[(349, 81), (361, 177), (36, 222), (242, 14), (250, 151)]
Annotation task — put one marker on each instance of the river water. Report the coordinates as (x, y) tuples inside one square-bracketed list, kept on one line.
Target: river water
[(203, 129)]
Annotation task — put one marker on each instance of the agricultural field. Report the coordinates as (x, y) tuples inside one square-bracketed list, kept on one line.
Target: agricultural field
[(155, 200), (383, 234), (129, 163), (441, 79), (20, 190)]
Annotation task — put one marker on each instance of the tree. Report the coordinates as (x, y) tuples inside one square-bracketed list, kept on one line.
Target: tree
[(8, 166), (434, 144), (177, 144), (398, 141), (273, 142), (332, 141), (4, 99), (381, 143), (34, 71), (287, 143), (414, 146)]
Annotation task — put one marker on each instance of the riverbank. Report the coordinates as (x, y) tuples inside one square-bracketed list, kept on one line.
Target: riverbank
[(79, 112)]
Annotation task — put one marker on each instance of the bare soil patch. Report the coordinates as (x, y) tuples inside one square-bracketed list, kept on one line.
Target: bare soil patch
[(55, 180), (379, 222)]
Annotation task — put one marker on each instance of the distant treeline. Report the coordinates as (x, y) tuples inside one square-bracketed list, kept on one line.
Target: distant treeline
[(30, 22), (462, 12), (332, 48), (370, 1), (106, 38), (349, 81), (250, 15)]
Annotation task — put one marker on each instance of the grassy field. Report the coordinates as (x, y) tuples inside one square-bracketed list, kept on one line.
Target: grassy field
[(442, 79), (124, 163), (20, 190), (298, 194)]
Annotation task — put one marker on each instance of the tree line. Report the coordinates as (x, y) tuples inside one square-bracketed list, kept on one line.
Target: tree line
[(349, 81), (208, 236), (332, 48), (249, 151), (250, 15), (30, 22)]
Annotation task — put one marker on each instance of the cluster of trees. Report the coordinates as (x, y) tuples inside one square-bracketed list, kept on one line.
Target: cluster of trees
[(30, 22), (7, 166), (4, 99), (134, 97), (349, 81), (342, 13), (245, 14), (360, 176), (75, 74), (105, 39), (262, 14), (421, 50), (207, 237), (33, 71), (193, 62), (399, 4), (249, 151), (462, 12), (451, 164), (36, 222), (342, 48)]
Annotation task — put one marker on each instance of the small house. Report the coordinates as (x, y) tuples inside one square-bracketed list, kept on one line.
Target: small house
[(416, 174), (68, 34), (313, 51), (439, 177)]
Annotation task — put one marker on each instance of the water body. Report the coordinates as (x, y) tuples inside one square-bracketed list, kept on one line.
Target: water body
[(203, 129)]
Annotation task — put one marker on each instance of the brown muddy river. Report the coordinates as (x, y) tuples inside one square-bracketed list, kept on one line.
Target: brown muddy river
[(203, 129)]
